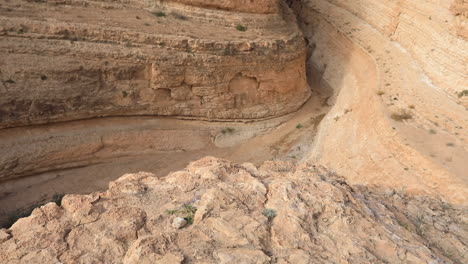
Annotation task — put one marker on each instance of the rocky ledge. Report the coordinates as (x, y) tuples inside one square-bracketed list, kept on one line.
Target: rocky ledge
[(218, 212), (71, 60)]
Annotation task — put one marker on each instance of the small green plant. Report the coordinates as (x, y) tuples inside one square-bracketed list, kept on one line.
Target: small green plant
[(241, 28), (432, 131), (420, 228), (380, 92), (147, 24), (269, 213), (187, 211), (159, 14), (189, 219), (401, 116), (227, 130), (463, 93), (299, 126), (171, 212), (124, 94)]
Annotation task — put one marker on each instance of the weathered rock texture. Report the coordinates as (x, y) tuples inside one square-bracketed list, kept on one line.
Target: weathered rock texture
[(384, 59), (65, 60), (250, 6), (278, 213)]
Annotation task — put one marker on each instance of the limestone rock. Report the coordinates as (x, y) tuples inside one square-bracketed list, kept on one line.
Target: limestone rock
[(167, 58), (4, 236), (319, 219), (380, 59), (251, 6), (179, 222)]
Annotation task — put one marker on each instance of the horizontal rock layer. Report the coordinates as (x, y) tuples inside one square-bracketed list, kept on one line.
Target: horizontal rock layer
[(250, 6), (68, 61)]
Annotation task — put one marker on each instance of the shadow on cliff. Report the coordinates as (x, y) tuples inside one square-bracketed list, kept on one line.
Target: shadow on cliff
[(327, 56)]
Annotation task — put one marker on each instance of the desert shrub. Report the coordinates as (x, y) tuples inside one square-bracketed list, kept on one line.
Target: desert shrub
[(401, 115), (463, 93), (159, 14), (227, 130), (241, 28), (269, 213)]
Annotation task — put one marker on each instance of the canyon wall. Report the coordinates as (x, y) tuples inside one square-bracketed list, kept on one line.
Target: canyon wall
[(434, 33), (65, 61), (398, 72), (250, 6)]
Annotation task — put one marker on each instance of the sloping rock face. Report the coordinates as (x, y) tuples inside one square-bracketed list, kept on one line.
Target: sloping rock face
[(70, 60), (278, 213), (399, 76)]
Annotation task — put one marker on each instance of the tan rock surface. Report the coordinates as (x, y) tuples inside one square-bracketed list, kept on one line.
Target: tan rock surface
[(250, 6), (317, 218), (397, 79), (65, 61), (383, 59)]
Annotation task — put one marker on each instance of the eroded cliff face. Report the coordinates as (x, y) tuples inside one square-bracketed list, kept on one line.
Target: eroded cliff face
[(249, 6), (398, 121), (65, 61), (278, 213), (399, 76)]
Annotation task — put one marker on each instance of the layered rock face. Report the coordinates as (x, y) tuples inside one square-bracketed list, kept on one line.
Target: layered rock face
[(399, 76), (278, 213), (250, 6), (65, 61)]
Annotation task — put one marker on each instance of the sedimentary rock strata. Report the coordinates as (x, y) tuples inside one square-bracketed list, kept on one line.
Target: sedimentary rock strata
[(391, 73), (278, 213), (398, 72), (65, 61), (250, 6)]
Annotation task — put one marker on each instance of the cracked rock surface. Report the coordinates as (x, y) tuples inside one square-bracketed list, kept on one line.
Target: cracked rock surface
[(314, 216)]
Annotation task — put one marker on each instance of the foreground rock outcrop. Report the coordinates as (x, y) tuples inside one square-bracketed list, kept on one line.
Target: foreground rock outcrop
[(278, 213), (71, 60)]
